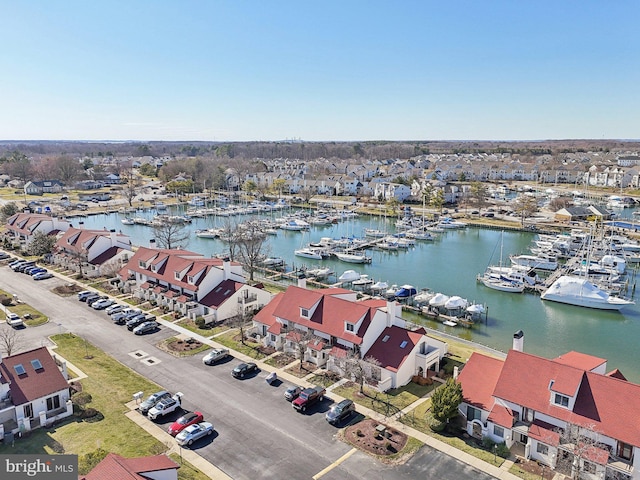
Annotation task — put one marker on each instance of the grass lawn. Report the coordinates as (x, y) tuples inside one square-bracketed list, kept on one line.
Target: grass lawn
[(516, 470), (186, 470), (280, 360), (324, 380), (416, 418), (37, 318), (388, 403), (111, 385), (205, 332), (248, 348)]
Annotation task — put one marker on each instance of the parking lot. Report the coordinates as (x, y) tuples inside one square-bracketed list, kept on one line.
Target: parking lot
[(257, 432)]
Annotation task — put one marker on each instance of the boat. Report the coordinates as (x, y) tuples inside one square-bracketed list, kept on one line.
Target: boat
[(533, 261), (272, 262), (295, 225), (352, 257), (500, 283), (406, 291), (379, 286), (127, 221), (363, 281), (580, 292), (209, 233), (349, 276), (308, 252), (318, 272), (373, 233), (438, 300), (391, 291)]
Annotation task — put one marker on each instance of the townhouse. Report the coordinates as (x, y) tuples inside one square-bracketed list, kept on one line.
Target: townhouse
[(568, 413), (21, 227), (92, 252), (114, 466), (34, 391), (334, 327), (190, 284)]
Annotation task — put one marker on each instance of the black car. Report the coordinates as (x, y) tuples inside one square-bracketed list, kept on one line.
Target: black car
[(340, 412), (91, 300), (244, 369), (135, 321)]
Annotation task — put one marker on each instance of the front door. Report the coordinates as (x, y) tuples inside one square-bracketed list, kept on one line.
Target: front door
[(28, 410)]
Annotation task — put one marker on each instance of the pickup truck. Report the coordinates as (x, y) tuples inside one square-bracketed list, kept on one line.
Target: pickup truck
[(165, 407), (308, 397)]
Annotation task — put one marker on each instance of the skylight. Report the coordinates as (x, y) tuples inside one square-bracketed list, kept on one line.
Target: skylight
[(36, 364), (403, 344), (19, 369), (386, 338)]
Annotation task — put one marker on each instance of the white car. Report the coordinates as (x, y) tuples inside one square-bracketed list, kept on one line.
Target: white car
[(114, 309), (194, 432), (14, 320), (101, 304), (215, 355), (165, 407)]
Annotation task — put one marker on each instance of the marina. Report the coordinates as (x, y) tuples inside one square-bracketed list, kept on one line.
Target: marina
[(448, 264)]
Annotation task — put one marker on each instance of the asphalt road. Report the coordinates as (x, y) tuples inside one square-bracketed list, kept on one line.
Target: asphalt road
[(258, 434)]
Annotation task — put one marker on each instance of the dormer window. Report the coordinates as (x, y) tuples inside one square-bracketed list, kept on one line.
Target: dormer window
[(142, 264), (176, 275), (304, 312), (561, 400), (190, 279), (349, 327), (154, 268)]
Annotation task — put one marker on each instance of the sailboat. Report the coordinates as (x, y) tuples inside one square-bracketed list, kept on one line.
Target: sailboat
[(496, 280)]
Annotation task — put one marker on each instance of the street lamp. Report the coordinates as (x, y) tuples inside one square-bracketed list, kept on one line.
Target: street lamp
[(495, 451)]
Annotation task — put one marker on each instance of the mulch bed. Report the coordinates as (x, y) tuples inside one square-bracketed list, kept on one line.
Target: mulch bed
[(282, 360), (67, 290), (302, 370), (180, 346), (363, 435)]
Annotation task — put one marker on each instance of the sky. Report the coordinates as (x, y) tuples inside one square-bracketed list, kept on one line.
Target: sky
[(345, 70)]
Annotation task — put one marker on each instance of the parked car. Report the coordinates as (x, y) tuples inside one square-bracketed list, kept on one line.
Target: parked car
[(215, 355), (94, 297), (244, 369), (14, 320), (15, 263), (115, 308), (37, 270), (82, 296), (133, 322), (152, 400), (165, 407), (194, 432), (23, 266), (33, 268), (291, 393), (340, 412), (145, 327), (189, 418), (42, 275), (308, 397), (102, 304), (3, 256)]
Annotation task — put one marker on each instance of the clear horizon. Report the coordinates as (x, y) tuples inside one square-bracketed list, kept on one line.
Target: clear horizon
[(224, 71)]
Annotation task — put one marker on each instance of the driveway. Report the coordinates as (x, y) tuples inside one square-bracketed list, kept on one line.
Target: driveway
[(259, 435)]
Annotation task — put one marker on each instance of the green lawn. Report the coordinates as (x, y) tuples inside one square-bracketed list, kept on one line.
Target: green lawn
[(205, 332), (186, 470), (37, 318), (111, 385), (248, 348), (388, 403)]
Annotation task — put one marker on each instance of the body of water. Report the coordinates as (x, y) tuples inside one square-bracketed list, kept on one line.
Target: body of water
[(450, 265)]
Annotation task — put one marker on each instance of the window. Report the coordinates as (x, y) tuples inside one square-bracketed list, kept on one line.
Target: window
[(273, 337), (19, 368), (542, 449), (28, 410), (142, 264), (53, 403), (589, 467), (386, 338), (403, 344), (36, 364), (561, 400), (473, 414), (190, 279), (498, 431), (349, 327), (625, 450), (304, 313), (176, 275)]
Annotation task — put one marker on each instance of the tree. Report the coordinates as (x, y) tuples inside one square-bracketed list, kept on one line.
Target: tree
[(478, 194), (278, 185), (445, 400), (252, 245), (19, 166), (580, 443), (148, 170), (240, 320), (525, 206), (7, 210), (392, 205), (132, 185), (249, 187), (66, 169), (80, 258), (41, 244), (360, 369), (171, 234), (300, 339), (306, 193), (437, 199), (10, 340)]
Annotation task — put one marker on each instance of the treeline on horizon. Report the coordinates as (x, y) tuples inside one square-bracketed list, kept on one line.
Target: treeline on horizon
[(373, 150)]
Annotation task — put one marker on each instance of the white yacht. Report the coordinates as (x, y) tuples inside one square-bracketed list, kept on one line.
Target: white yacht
[(582, 293)]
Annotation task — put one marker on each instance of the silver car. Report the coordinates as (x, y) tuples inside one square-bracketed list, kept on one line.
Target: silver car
[(194, 432)]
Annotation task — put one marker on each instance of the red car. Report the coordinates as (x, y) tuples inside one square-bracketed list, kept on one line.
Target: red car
[(184, 421)]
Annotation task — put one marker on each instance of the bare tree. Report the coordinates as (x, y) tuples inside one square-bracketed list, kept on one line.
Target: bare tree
[(577, 448), (300, 340), (241, 320), (10, 340), (79, 258), (525, 206), (132, 185), (360, 369), (171, 235), (252, 245)]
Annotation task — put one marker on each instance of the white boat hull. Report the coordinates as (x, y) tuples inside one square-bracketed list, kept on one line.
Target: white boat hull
[(582, 293)]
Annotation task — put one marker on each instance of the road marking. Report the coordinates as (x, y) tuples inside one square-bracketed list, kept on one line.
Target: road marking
[(335, 464)]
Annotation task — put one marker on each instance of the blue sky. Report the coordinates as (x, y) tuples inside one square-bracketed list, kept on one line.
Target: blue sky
[(331, 70)]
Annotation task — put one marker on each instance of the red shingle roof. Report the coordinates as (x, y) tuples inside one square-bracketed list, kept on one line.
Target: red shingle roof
[(115, 467), (388, 348), (501, 415), (478, 378), (33, 384), (580, 360)]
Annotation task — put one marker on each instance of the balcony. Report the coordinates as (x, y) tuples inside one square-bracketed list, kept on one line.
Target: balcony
[(248, 299)]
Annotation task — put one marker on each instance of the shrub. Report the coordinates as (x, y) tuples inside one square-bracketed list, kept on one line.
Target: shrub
[(434, 424), (200, 323), (488, 443), (6, 301), (503, 450), (90, 460)]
